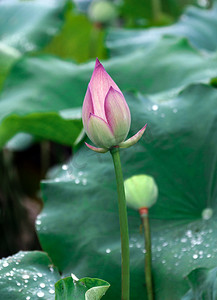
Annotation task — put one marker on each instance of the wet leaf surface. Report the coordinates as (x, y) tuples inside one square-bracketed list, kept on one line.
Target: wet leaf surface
[(29, 276), (198, 25)]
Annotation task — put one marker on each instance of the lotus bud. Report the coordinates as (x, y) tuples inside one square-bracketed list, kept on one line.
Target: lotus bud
[(141, 192), (105, 113)]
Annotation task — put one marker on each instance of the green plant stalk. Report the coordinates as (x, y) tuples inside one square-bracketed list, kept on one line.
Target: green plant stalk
[(125, 252), (156, 9), (94, 40), (148, 274)]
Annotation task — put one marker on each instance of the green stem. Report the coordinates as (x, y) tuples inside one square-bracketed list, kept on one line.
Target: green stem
[(125, 253), (156, 9), (94, 40), (148, 275)]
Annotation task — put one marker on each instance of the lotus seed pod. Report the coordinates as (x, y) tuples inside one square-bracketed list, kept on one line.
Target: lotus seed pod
[(141, 191), (102, 11)]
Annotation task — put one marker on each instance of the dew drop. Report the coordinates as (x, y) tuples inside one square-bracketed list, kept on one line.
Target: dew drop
[(42, 285), (40, 294), (5, 264), (25, 276), (108, 250), (208, 255), (155, 107), (189, 233), (77, 181), (38, 222), (28, 298), (195, 256), (74, 277), (39, 274), (51, 291), (18, 284), (65, 167)]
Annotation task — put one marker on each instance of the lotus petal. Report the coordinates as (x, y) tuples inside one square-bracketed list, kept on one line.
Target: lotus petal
[(87, 108), (134, 139), (99, 85), (117, 114), (99, 132), (99, 150)]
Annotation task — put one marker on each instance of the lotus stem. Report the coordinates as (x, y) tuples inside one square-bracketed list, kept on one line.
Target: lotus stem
[(148, 256), (125, 253), (156, 9)]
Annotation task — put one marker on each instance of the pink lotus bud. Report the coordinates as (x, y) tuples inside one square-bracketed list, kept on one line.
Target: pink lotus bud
[(105, 113)]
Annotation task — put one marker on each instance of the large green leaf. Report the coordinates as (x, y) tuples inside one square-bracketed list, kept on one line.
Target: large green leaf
[(51, 126), (27, 275), (29, 25), (83, 289), (203, 284), (179, 150), (46, 84), (198, 25), (168, 65)]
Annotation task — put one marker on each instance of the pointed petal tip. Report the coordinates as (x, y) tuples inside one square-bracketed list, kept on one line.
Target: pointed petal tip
[(134, 139), (143, 128), (98, 64), (112, 90), (98, 150)]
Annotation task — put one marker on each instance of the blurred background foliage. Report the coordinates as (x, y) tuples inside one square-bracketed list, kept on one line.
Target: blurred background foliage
[(157, 51)]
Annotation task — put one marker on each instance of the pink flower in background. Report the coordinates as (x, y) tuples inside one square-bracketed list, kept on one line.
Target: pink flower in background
[(105, 113)]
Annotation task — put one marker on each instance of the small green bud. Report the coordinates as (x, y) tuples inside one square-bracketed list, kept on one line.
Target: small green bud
[(101, 11), (141, 191)]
